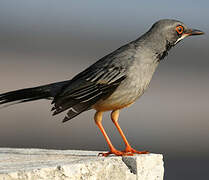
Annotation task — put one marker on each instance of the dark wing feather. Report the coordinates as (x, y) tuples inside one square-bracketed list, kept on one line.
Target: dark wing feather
[(96, 82), (84, 92)]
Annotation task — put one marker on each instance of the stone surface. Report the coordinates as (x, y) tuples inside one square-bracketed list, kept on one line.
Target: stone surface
[(42, 164)]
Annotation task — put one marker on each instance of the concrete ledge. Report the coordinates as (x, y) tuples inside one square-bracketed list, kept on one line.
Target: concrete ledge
[(42, 164)]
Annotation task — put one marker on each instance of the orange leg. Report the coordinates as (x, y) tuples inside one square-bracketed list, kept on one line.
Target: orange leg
[(128, 149), (113, 150)]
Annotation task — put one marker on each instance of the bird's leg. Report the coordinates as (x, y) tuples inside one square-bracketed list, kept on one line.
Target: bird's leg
[(113, 150), (128, 149)]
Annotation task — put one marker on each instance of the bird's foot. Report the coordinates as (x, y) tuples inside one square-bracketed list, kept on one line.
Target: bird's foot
[(116, 152), (133, 151)]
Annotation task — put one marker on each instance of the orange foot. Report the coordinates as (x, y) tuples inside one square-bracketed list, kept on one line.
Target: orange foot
[(133, 151), (117, 153)]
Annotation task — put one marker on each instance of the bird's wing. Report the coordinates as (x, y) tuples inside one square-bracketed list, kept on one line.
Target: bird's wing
[(88, 87), (93, 84)]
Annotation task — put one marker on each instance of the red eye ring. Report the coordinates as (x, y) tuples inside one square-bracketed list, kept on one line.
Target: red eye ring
[(179, 29)]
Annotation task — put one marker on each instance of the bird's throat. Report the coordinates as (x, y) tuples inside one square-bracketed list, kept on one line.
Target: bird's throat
[(163, 54)]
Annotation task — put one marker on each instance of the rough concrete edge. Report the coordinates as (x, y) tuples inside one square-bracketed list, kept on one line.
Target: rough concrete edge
[(132, 164), (61, 170)]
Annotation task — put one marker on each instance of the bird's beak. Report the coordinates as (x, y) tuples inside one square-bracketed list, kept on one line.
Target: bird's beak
[(192, 32), (189, 32)]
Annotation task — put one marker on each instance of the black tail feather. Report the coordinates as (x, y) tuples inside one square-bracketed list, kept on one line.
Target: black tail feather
[(31, 94)]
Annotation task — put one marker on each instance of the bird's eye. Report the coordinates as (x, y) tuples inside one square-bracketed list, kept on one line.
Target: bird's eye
[(179, 29)]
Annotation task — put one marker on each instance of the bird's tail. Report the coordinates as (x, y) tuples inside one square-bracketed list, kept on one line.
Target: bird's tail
[(31, 94)]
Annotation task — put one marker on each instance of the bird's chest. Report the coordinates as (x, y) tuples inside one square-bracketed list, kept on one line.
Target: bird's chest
[(137, 81)]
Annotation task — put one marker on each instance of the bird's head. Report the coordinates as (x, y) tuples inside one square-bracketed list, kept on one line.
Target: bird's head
[(173, 31), (165, 34)]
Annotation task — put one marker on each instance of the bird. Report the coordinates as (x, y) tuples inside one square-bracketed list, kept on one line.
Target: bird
[(112, 83)]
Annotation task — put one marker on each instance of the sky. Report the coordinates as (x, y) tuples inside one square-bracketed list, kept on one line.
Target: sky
[(48, 41)]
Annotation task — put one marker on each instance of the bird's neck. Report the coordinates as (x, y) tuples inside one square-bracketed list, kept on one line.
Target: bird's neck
[(157, 46), (160, 55)]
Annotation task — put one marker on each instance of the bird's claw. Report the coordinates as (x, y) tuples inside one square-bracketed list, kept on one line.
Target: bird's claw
[(117, 153), (131, 150)]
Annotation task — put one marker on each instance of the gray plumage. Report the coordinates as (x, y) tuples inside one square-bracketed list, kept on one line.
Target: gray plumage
[(113, 82)]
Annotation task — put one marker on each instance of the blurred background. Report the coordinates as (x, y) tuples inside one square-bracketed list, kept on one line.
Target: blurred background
[(48, 41)]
